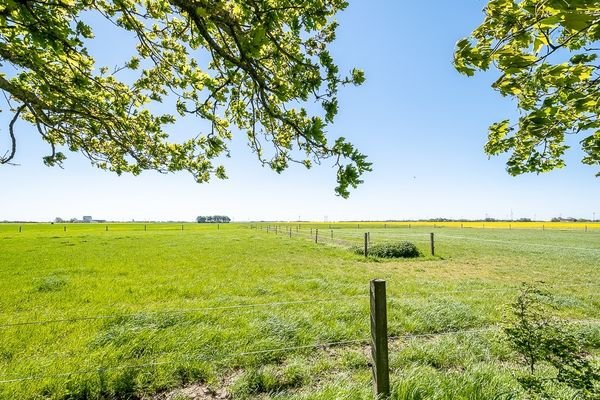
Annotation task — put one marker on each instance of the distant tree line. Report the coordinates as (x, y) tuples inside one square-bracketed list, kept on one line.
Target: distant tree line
[(570, 219), (213, 219)]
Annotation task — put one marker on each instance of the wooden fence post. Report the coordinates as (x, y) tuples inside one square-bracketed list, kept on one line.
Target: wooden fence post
[(20, 228), (332, 234), (64, 228), (379, 336), (316, 235), (432, 240), (290, 231), (366, 244), (106, 229)]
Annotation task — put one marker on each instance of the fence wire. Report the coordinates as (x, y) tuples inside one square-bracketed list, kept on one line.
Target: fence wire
[(203, 358), (388, 234), (175, 312)]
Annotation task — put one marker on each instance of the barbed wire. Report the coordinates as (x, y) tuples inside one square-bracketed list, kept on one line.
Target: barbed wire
[(518, 243), (180, 311), (364, 341), (385, 239), (189, 358), (484, 290), (274, 304), (412, 235)]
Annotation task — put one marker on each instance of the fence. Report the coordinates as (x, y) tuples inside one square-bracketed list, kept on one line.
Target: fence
[(378, 340), (354, 238), (6, 228), (327, 237), (589, 226)]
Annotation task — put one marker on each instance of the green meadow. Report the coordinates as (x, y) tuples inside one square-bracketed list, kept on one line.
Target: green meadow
[(234, 311)]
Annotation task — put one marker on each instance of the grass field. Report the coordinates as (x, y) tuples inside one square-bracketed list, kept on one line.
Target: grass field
[(90, 313)]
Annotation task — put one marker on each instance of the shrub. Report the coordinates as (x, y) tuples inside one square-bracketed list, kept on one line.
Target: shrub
[(51, 284), (391, 250), (543, 340)]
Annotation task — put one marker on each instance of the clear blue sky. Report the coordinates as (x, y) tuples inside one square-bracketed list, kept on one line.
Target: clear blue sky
[(421, 123)]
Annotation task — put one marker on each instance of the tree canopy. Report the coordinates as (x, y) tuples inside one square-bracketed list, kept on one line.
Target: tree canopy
[(254, 65), (547, 54)]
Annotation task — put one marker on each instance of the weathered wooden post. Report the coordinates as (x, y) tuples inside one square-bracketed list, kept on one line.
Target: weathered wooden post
[(64, 228), (432, 240), (316, 236), (332, 234), (20, 228), (379, 337), (366, 244), (106, 228)]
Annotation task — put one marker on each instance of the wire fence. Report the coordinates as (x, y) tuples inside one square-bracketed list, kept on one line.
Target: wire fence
[(179, 358), (592, 227), (583, 227), (84, 318), (365, 341), (351, 238), (167, 312)]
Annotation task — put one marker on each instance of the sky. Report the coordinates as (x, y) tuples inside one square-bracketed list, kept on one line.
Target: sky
[(421, 124)]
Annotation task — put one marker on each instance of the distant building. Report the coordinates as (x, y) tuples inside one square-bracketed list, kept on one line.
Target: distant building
[(87, 218)]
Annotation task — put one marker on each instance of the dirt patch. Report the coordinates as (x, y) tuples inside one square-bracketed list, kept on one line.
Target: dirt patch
[(201, 391), (194, 392)]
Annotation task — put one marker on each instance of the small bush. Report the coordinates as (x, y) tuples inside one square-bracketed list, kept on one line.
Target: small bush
[(391, 250), (51, 284), (544, 340)]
